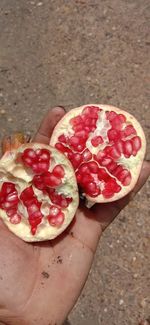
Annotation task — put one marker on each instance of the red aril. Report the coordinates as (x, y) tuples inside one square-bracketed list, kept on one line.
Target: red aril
[(37, 199), (106, 147)]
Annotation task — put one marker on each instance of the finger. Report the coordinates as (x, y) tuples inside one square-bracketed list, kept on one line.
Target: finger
[(49, 122), (106, 213)]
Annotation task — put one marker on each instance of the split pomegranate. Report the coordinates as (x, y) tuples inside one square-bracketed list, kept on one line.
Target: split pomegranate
[(106, 147), (38, 192)]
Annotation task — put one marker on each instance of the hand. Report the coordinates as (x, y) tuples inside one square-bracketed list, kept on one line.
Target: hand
[(40, 283)]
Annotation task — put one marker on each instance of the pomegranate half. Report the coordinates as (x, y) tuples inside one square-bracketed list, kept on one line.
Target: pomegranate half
[(106, 147), (38, 192)]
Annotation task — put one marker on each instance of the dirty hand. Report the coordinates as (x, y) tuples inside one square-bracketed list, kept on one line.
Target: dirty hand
[(40, 282)]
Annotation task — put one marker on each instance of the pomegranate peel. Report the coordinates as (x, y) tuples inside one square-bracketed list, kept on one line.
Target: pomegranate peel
[(33, 208), (106, 138)]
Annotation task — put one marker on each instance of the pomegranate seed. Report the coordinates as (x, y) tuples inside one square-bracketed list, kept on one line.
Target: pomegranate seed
[(7, 188), (92, 189), (87, 129), (136, 144), (30, 153), (70, 155), (122, 118), (27, 194), (129, 130), (74, 141), (76, 120), (13, 198), (86, 155), (78, 176), (7, 205), (93, 167), (15, 219), (100, 155), (116, 124), (114, 153), (32, 209), (112, 166), (62, 148), (93, 122), (76, 160), (58, 171), (119, 146), (111, 187), (56, 216), (80, 147), (38, 160), (87, 121), (35, 217), (117, 170), (62, 138), (106, 161), (60, 199), (91, 111), (51, 180), (56, 221), (43, 155), (78, 127), (38, 182), (124, 177), (29, 157), (117, 188), (40, 167), (12, 211), (82, 134), (84, 168), (96, 141), (111, 115), (86, 179), (108, 193), (33, 230), (103, 175), (9, 198), (128, 148), (113, 135)]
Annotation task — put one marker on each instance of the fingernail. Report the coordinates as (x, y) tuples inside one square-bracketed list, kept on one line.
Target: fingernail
[(62, 108)]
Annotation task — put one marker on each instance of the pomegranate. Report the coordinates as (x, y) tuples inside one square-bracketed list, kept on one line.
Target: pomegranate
[(38, 192), (106, 147)]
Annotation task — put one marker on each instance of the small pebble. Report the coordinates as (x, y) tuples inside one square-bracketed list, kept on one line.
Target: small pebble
[(2, 111), (135, 275), (121, 302), (9, 119), (143, 303)]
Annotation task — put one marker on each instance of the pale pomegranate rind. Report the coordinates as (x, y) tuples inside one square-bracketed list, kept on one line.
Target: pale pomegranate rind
[(133, 163), (22, 177)]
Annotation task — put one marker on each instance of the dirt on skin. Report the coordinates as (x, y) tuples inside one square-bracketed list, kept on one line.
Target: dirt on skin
[(71, 53)]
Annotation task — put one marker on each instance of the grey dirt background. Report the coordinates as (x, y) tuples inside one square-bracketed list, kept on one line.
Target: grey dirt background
[(59, 52)]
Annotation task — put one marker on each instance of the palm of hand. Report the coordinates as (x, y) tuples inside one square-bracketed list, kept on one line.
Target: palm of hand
[(40, 283), (44, 279)]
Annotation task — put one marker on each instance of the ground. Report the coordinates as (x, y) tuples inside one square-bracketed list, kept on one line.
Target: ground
[(59, 52)]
